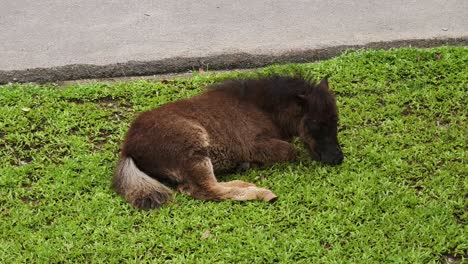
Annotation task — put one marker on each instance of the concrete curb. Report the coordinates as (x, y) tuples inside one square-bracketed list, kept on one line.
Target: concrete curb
[(220, 62)]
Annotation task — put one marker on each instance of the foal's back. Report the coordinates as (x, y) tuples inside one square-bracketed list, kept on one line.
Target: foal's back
[(217, 123)]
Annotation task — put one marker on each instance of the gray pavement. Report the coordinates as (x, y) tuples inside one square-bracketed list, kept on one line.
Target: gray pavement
[(52, 40)]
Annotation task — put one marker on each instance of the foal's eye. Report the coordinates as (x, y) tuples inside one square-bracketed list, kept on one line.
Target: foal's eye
[(314, 128)]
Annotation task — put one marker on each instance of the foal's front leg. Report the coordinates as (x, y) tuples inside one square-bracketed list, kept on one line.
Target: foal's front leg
[(273, 150)]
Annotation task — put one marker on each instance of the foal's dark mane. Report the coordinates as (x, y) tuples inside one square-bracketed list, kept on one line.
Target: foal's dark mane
[(273, 91)]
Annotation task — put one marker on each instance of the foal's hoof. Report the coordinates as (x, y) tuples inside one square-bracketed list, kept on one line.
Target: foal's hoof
[(270, 197)]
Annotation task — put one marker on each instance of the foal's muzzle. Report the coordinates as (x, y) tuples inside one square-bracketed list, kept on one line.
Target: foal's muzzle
[(333, 156)]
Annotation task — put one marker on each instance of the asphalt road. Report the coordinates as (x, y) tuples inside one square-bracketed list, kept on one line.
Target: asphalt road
[(146, 37)]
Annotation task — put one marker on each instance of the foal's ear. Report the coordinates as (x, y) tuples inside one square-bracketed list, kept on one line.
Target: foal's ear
[(324, 83)]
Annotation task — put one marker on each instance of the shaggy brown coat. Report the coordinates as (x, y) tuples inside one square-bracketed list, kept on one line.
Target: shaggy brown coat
[(232, 124)]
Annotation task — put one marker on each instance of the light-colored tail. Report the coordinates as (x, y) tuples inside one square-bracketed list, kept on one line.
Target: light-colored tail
[(137, 188)]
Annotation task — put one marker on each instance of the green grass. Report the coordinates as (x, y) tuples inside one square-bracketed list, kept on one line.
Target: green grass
[(399, 197)]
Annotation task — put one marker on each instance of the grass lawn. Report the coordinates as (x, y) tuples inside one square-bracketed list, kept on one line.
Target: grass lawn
[(401, 195)]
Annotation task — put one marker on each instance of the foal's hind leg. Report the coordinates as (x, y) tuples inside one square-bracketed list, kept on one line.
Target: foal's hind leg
[(201, 183), (234, 183), (237, 183)]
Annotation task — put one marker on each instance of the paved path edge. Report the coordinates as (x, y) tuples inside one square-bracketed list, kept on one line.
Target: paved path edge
[(219, 62)]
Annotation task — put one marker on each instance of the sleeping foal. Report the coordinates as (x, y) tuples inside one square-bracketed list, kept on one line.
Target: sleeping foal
[(184, 143)]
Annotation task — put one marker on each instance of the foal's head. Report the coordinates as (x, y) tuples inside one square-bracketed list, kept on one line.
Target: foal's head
[(318, 126)]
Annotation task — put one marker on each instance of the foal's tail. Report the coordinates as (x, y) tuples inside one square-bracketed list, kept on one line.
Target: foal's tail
[(137, 188)]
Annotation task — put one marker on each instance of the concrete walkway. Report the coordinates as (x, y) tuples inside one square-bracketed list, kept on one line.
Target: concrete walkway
[(51, 40)]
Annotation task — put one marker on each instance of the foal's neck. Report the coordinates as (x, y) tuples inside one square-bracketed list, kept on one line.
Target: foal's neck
[(284, 112), (286, 123)]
